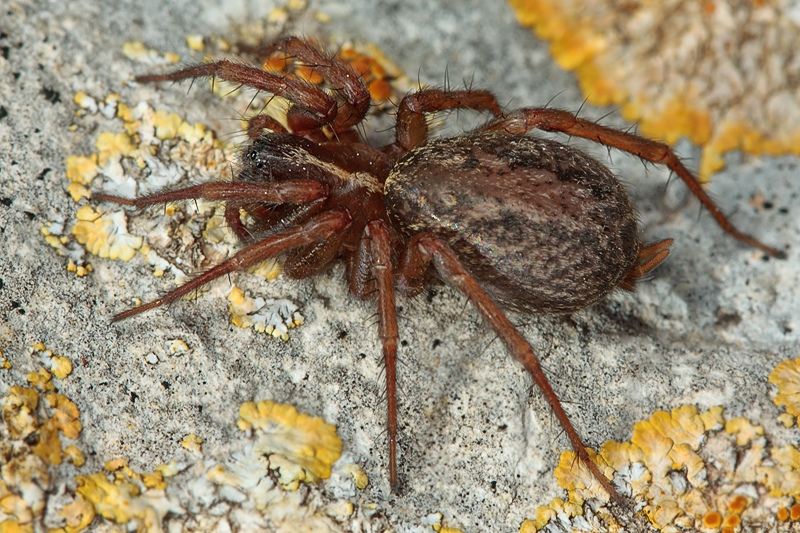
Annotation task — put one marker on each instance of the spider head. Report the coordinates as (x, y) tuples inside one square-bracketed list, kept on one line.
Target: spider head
[(279, 156)]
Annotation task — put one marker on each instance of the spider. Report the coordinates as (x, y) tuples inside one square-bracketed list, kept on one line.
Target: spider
[(512, 221)]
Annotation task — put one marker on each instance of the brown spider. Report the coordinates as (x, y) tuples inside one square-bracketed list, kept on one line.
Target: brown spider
[(511, 221)]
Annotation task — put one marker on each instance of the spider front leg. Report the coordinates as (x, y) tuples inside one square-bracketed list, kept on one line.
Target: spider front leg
[(412, 125), (524, 120), (312, 107), (289, 191), (426, 248)]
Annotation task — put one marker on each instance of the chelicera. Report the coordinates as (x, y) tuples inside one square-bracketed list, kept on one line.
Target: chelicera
[(512, 221)]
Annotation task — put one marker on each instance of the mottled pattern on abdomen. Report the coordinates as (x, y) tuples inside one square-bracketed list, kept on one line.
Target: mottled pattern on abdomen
[(541, 225)]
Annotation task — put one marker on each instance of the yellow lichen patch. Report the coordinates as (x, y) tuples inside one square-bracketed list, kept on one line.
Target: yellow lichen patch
[(167, 150), (269, 269), (665, 470), (41, 379), (81, 170), (274, 317), (786, 377), (576, 476), (782, 478), (292, 438), (113, 146), (19, 411), (30, 445), (166, 124), (78, 515), (75, 455), (744, 430), (64, 420), (65, 416), (359, 476), (722, 77), (217, 230), (193, 443), (60, 366), (80, 270), (137, 51), (105, 234), (54, 235), (178, 347), (125, 500), (195, 42)]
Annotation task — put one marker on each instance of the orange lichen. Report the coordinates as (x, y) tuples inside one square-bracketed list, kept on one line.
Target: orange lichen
[(712, 520), (794, 512), (720, 74), (738, 504)]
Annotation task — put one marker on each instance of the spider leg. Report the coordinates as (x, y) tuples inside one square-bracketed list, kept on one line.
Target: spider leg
[(317, 229), (289, 191), (380, 252), (649, 258), (524, 120), (257, 123), (312, 106), (426, 248), (355, 96), (233, 218), (412, 125)]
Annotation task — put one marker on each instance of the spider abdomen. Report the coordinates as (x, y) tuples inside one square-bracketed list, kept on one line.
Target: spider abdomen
[(541, 225)]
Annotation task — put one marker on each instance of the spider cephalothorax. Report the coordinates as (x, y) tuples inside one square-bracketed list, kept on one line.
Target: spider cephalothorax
[(510, 220)]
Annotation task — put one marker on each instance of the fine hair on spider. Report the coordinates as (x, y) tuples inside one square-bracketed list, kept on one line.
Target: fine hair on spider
[(514, 222)]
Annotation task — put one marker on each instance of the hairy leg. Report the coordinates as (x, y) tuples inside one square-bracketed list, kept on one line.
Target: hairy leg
[(380, 256), (556, 120), (412, 125), (317, 229), (289, 191), (312, 107), (355, 99), (426, 248)]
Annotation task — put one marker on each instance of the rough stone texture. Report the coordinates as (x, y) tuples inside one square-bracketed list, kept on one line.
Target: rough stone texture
[(477, 444)]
